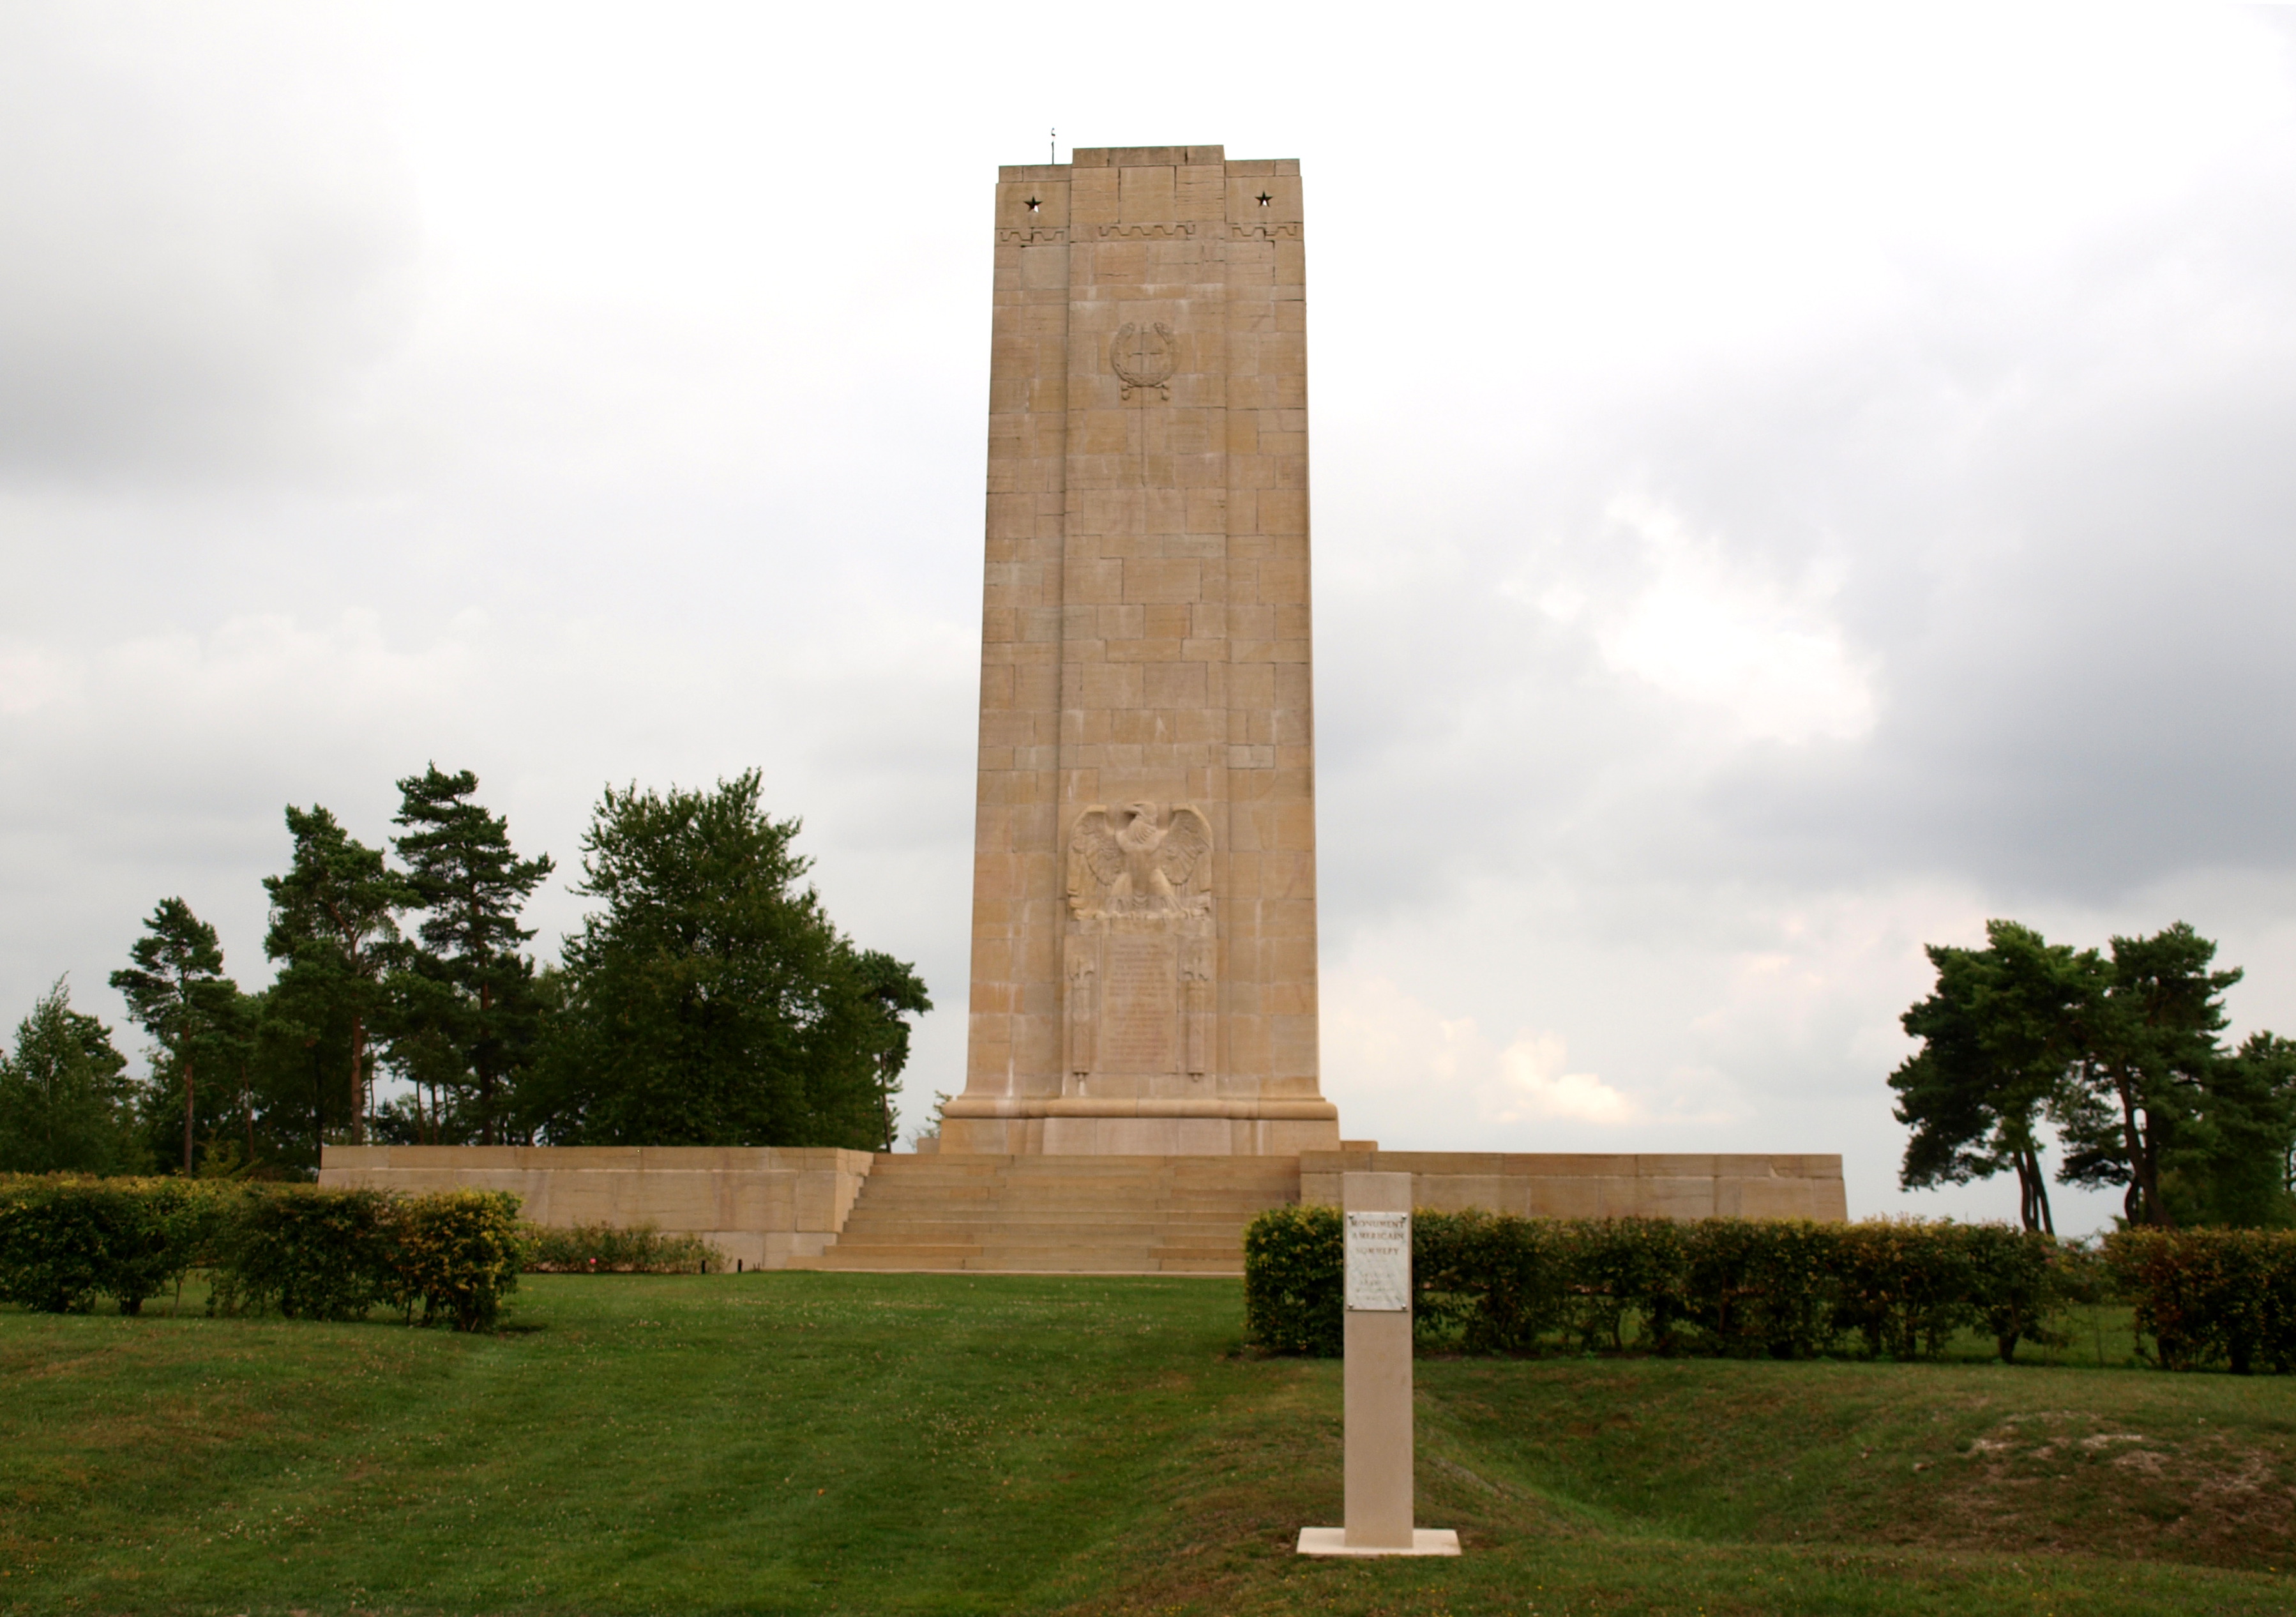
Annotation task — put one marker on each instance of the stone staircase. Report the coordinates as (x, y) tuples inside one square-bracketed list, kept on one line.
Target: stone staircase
[(1099, 1215)]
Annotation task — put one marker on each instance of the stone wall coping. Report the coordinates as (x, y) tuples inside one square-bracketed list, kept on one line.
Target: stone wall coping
[(1080, 1106), (608, 1158), (1644, 1165)]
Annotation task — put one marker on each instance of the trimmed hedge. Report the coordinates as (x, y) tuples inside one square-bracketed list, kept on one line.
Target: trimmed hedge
[(306, 1252), (64, 1242), (2210, 1296), (1295, 1265), (1496, 1282)]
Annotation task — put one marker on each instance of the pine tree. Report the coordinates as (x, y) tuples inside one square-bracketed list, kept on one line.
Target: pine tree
[(177, 993), (334, 923), (2150, 1050), (1998, 1034), (471, 1002)]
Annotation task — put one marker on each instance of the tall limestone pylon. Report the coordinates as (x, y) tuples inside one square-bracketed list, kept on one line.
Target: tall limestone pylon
[(1143, 905)]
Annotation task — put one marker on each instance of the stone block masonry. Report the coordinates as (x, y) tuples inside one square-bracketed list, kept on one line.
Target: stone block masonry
[(758, 1205), (1563, 1184), (1144, 920)]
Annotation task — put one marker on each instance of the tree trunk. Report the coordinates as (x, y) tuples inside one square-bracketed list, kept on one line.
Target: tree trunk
[(486, 1075), (247, 1108), (187, 1116), (2033, 1192), (358, 1077), (2143, 1203)]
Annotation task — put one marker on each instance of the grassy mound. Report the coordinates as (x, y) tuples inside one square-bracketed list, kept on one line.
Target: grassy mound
[(858, 1443)]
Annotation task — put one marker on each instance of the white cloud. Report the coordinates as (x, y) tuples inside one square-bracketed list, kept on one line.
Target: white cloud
[(1532, 1065), (1718, 635)]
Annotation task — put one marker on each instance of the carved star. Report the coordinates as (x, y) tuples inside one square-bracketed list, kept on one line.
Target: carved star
[(1034, 204), (1265, 199)]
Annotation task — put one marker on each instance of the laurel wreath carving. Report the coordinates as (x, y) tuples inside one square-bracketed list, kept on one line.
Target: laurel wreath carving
[(1146, 363)]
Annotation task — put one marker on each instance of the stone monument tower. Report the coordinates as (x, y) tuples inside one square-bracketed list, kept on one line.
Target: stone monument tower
[(1144, 899)]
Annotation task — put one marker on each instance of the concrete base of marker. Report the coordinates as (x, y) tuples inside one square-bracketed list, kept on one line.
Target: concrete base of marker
[(1333, 1541)]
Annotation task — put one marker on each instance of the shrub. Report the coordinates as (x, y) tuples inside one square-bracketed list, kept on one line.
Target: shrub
[(1487, 1284), (457, 1252), (1293, 1259), (1760, 1286), (1615, 1270), (65, 1241), (1902, 1287), (2019, 1284), (604, 1249), (308, 1252), (54, 1236), (1494, 1283), (2210, 1296)]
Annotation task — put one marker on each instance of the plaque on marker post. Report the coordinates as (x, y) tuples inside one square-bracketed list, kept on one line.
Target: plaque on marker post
[(1378, 1262)]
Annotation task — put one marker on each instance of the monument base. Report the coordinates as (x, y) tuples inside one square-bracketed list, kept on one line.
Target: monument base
[(1084, 1126), (1333, 1541)]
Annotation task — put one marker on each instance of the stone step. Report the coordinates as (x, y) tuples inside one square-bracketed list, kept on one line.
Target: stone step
[(990, 1230), (1020, 1260), (1047, 1247), (1050, 1215), (1062, 1207), (961, 1226)]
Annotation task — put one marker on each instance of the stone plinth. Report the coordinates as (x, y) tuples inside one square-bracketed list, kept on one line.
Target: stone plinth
[(1143, 919)]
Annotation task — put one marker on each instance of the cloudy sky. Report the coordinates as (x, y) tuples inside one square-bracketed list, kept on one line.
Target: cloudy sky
[(1789, 485)]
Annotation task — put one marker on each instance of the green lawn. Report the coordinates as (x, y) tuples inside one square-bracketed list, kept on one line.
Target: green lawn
[(993, 1444)]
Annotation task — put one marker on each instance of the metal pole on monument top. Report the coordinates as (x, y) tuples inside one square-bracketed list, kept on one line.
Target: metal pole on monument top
[(1376, 1209)]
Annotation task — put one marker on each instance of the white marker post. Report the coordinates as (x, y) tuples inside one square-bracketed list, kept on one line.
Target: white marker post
[(1377, 1210)]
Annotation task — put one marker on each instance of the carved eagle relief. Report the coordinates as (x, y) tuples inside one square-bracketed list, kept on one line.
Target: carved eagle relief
[(1136, 861)]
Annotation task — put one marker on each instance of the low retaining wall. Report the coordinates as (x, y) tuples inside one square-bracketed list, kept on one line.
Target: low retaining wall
[(758, 1205), (1593, 1185), (762, 1206)]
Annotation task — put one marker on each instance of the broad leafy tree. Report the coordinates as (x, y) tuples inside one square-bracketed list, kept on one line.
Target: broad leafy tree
[(334, 927), (892, 992), (65, 1098), (1998, 1033), (709, 1000), (469, 1010), (177, 993)]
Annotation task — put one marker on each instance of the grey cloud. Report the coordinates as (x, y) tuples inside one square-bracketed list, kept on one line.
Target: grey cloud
[(187, 277)]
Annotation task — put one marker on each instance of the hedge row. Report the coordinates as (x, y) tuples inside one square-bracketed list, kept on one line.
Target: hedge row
[(1486, 1283), (306, 1252), (2210, 1296)]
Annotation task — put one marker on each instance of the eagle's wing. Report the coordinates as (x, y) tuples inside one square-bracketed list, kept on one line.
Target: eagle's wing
[(1187, 841), (1094, 841)]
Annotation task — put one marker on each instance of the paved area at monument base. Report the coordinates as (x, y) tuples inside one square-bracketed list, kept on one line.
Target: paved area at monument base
[(1333, 1541)]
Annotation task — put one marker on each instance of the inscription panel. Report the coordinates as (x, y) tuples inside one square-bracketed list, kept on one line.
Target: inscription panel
[(1378, 1262), (1139, 1003)]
